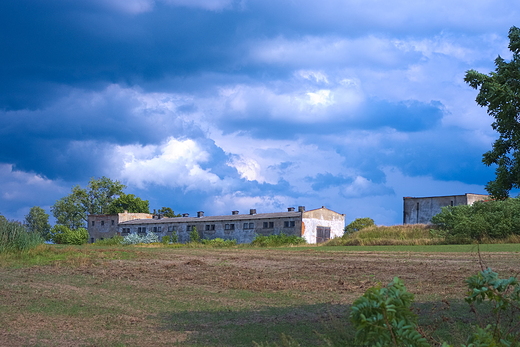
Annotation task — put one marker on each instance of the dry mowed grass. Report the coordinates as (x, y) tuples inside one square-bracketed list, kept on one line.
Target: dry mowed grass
[(213, 297)]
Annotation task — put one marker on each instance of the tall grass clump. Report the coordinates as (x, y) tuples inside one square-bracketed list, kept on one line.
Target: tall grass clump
[(278, 240), (14, 237), (219, 243), (116, 240), (408, 234)]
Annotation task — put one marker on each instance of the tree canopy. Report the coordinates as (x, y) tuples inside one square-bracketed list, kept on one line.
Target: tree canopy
[(73, 209), (37, 221), (500, 93), (130, 203), (167, 212)]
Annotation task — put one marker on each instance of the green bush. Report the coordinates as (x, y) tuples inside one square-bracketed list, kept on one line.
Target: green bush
[(277, 240), (61, 234), (359, 224), (14, 237), (113, 241), (218, 242), (174, 238), (482, 220), (165, 240), (382, 316), (194, 235)]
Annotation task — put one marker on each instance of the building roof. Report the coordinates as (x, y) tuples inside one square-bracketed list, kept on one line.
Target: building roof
[(207, 219)]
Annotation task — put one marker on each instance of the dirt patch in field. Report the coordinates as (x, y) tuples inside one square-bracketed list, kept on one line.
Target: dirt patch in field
[(117, 302)]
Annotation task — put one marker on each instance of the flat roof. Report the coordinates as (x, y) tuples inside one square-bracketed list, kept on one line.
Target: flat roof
[(232, 217)]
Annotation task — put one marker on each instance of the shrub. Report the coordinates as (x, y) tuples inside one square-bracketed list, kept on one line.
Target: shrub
[(277, 240), (113, 241), (61, 234), (134, 239), (359, 224), (14, 237), (218, 242), (165, 240), (482, 220), (194, 235), (174, 238)]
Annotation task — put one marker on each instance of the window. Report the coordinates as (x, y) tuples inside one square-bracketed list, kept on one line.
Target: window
[(172, 228), (93, 223), (268, 225), (112, 222), (102, 222), (249, 225), (125, 231), (159, 229), (210, 227), (189, 227), (230, 227), (288, 224), (154, 229), (144, 229)]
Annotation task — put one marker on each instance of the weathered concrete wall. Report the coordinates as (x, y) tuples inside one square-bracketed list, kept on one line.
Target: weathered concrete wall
[(322, 217), (421, 210), (103, 226)]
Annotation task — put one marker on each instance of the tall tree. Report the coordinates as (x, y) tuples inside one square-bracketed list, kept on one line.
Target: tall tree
[(73, 209), (37, 221), (500, 93), (130, 203), (167, 212)]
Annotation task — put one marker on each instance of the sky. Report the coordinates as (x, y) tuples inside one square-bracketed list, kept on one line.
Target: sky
[(221, 105)]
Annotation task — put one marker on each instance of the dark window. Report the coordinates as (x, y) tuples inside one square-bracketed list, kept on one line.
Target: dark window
[(159, 229), (210, 227), (246, 225), (92, 240), (288, 224), (102, 222), (230, 226), (154, 229), (112, 222), (189, 227), (268, 225), (93, 223)]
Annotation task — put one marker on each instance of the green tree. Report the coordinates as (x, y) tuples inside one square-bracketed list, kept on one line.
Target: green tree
[(359, 224), (37, 221), (194, 235), (500, 93), (2, 218), (130, 203), (167, 212), (62, 234), (73, 209)]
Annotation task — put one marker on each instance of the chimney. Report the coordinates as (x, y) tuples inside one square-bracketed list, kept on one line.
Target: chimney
[(290, 209), (234, 212), (200, 214), (252, 211), (185, 214), (301, 208)]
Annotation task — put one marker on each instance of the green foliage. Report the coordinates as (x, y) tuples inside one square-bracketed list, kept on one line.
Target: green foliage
[(167, 212), (504, 294), (116, 240), (277, 240), (484, 219), (37, 221), (61, 234), (14, 237), (174, 238), (359, 224), (218, 242), (499, 93), (382, 317), (72, 210), (194, 235), (165, 240), (130, 203)]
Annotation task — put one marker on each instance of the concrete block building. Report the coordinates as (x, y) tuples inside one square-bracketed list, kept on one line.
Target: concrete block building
[(421, 210), (315, 226)]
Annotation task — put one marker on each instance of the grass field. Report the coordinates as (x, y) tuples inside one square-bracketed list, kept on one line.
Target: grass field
[(156, 296)]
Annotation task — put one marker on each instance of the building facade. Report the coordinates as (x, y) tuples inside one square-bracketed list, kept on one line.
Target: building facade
[(421, 210), (314, 226)]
